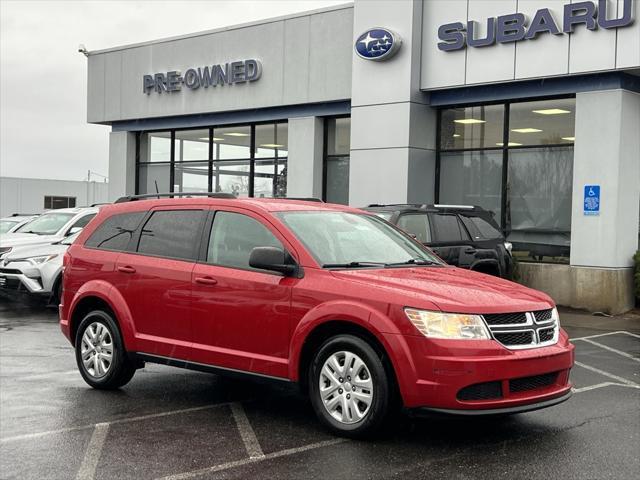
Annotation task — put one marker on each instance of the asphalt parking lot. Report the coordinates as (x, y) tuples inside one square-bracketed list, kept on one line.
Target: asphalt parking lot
[(174, 424)]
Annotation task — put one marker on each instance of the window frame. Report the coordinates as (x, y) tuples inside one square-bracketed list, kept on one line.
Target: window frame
[(68, 198), (325, 151)]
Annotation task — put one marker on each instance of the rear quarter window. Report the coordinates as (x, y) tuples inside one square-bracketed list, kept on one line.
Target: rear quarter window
[(447, 228), (481, 228), (417, 224), (115, 232), (172, 234)]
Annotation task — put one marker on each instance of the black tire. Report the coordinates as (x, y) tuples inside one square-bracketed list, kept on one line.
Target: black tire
[(120, 369), (381, 387), (57, 292)]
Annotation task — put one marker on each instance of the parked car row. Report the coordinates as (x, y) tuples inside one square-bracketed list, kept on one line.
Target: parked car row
[(31, 250)]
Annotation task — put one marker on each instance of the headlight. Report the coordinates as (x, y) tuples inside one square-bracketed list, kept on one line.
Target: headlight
[(508, 246), (555, 316), (39, 260), (448, 325)]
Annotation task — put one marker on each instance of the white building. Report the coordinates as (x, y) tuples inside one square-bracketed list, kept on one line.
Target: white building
[(35, 195), (529, 108)]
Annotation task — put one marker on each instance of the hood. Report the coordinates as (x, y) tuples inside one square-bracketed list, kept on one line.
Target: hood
[(451, 289), (20, 239), (35, 251)]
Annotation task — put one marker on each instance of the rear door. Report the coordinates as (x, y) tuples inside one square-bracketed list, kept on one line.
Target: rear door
[(155, 279), (450, 240), (240, 314)]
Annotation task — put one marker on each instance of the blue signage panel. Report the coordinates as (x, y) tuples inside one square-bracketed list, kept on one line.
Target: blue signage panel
[(592, 199)]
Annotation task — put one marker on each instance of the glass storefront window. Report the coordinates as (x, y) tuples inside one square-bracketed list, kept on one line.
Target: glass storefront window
[(338, 149), (191, 177), (472, 178), (550, 122), (472, 127), (154, 178), (192, 145), (270, 178), (271, 140), (155, 147), (232, 143), (232, 177)]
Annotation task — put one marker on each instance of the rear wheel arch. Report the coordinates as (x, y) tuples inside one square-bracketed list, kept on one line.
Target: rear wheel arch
[(86, 305)]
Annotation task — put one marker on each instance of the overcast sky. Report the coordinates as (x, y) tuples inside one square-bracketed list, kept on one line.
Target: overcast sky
[(43, 78)]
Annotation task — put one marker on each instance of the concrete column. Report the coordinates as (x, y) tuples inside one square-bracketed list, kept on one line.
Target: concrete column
[(122, 164), (304, 164), (393, 130)]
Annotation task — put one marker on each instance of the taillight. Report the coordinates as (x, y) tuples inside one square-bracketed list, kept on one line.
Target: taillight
[(65, 260)]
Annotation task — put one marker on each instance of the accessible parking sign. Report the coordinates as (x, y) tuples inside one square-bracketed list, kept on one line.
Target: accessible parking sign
[(592, 199)]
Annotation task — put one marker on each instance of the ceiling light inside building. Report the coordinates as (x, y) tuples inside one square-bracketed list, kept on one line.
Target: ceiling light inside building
[(236, 134), (469, 121), (551, 111), (271, 145), (526, 130), (510, 144), (569, 139), (215, 139), (456, 135)]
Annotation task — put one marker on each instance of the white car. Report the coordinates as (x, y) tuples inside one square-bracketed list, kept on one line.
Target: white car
[(36, 269), (48, 228), (14, 222)]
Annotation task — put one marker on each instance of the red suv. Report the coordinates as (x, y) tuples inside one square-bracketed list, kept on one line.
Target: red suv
[(334, 298)]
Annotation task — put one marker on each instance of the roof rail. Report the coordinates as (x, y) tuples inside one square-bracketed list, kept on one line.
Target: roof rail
[(98, 204), (133, 198), (303, 199), (24, 214)]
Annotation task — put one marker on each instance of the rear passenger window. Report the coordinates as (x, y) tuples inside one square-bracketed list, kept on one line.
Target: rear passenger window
[(417, 224), (234, 236), (172, 234), (115, 232), (83, 221), (447, 228), (481, 228)]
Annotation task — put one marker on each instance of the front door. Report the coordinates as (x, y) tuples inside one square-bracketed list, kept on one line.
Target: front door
[(240, 315)]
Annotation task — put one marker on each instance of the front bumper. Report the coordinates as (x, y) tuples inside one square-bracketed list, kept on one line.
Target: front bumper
[(482, 376), (22, 282)]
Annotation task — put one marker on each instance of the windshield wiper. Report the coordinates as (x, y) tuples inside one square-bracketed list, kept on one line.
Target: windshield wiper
[(353, 265), (413, 261), (35, 233)]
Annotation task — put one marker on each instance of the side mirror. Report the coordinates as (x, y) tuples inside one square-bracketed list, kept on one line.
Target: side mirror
[(271, 258), (73, 231)]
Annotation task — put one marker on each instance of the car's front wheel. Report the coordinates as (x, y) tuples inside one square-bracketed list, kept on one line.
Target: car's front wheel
[(100, 354), (349, 386)]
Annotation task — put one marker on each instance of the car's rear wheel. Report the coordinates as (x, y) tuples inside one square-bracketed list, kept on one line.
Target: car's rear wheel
[(100, 354), (349, 386)]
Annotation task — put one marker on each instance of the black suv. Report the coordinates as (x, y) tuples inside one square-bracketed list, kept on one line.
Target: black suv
[(464, 236)]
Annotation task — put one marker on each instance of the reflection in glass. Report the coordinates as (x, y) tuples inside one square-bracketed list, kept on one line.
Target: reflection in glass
[(549, 122), (192, 145), (338, 136), (155, 147), (153, 178), (270, 179), (231, 177), (232, 143), (472, 178), (539, 202), (337, 190), (191, 177), (472, 127)]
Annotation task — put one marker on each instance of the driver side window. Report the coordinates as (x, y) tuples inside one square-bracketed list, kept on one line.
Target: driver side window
[(234, 236)]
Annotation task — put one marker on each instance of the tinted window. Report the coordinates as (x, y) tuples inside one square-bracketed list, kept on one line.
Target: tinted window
[(83, 221), (233, 236), (448, 229), (115, 232), (172, 234), (417, 224), (480, 228)]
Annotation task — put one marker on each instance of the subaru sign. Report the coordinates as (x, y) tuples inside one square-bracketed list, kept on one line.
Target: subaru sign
[(592, 199), (516, 26), (377, 44)]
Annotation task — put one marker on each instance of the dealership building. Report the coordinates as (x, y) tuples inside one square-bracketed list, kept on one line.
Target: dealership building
[(528, 108)]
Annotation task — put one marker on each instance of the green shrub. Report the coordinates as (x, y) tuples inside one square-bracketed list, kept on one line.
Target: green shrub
[(636, 275)]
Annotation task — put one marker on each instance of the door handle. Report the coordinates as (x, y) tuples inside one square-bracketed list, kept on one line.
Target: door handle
[(471, 251), (206, 280), (127, 269)]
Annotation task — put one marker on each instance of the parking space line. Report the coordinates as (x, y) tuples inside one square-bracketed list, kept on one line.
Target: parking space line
[(246, 461), (249, 438), (117, 421), (94, 450), (614, 350), (607, 374), (619, 332), (40, 375)]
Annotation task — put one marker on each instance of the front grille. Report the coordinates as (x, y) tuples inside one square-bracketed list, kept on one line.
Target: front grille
[(542, 315), (10, 283), (532, 383), (515, 338), (10, 270), (505, 318), (547, 334), (481, 391)]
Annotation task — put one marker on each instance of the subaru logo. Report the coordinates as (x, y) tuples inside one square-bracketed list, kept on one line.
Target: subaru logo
[(377, 44)]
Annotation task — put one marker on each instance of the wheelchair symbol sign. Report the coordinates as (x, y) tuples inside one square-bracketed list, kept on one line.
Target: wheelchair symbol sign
[(592, 199)]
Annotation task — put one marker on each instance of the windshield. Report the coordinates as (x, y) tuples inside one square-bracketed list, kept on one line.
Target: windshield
[(47, 224), (6, 225), (342, 239)]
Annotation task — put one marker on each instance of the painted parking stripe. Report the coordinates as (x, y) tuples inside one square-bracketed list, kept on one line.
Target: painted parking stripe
[(117, 421), (619, 332), (247, 461), (249, 438), (611, 349), (38, 376), (607, 374), (94, 450)]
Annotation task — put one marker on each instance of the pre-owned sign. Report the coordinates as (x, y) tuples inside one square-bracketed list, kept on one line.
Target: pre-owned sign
[(209, 76), (516, 26)]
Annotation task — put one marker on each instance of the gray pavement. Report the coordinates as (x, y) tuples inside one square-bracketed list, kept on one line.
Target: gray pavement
[(173, 424)]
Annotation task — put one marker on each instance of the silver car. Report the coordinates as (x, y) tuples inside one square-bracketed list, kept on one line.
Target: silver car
[(36, 269)]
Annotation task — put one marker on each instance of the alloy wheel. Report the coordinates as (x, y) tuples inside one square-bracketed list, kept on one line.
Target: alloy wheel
[(97, 350)]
